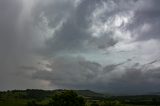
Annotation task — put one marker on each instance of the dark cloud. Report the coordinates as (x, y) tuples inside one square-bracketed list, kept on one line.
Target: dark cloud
[(70, 71), (146, 21), (60, 44), (77, 73), (137, 80), (103, 42), (74, 34), (112, 67), (69, 37), (28, 68)]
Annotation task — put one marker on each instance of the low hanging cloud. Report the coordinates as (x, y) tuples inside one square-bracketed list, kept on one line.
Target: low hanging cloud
[(103, 45), (78, 73), (73, 73)]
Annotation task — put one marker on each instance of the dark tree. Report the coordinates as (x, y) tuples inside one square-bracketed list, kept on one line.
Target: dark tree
[(67, 98), (31, 103)]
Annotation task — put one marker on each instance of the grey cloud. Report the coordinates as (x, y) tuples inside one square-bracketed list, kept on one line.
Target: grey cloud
[(77, 73), (74, 34), (67, 71), (27, 68), (24, 50), (154, 61), (69, 37), (148, 13), (74, 37), (112, 67), (17, 38), (137, 81), (55, 11), (103, 42)]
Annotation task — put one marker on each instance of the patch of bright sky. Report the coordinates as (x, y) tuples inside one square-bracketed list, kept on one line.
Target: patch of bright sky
[(102, 57)]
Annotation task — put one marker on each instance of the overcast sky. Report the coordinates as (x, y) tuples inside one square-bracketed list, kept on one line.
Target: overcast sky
[(103, 45)]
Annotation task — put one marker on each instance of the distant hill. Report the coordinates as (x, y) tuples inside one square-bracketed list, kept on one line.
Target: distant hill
[(154, 93), (89, 93), (42, 94)]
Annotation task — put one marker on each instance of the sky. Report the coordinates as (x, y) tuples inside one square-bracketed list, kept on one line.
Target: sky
[(108, 46)]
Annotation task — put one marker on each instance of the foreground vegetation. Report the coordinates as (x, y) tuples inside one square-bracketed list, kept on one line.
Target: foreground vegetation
[(72, 98)]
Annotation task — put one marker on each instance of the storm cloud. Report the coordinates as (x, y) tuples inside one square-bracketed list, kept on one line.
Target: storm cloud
[(102, 45)]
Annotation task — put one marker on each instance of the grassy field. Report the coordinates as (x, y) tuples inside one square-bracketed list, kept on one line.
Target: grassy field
[(43, 98)]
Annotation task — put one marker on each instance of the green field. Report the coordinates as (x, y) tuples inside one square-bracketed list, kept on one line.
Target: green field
[(33, 97)]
